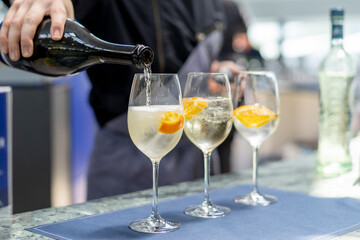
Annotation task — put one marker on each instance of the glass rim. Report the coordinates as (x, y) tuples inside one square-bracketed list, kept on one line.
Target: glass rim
[(205, 73), (257, 72), (157, 74)]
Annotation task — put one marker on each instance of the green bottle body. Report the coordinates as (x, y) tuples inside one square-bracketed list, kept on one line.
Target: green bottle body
[(76, 51)]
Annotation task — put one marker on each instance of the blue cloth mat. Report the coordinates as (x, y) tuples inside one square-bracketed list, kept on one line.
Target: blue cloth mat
[(294, 216)]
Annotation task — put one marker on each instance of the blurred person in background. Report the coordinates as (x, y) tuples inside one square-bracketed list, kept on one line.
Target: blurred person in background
[(185, 36), (237, 46)]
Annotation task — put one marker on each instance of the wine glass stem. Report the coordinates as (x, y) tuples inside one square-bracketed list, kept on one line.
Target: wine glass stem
[(255, 167), (207, 157), (155, 211)]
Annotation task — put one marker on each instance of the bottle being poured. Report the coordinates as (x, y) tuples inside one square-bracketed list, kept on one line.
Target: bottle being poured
[(77, 50)]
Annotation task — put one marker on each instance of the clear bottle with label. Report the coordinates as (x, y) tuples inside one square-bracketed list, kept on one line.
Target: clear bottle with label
[(336, 74)]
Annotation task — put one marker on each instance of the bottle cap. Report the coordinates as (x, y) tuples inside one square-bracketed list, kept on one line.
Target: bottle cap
[(337, 12)]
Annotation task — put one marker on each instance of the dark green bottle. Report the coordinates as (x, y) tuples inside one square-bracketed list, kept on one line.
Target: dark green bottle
[(76, 51)]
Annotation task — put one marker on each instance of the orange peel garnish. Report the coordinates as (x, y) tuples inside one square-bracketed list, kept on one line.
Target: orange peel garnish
[(171, 122), (254, 116), (193, 106)]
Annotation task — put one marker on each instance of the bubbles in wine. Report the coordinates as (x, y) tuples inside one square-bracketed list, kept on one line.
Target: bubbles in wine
[(147, 75)]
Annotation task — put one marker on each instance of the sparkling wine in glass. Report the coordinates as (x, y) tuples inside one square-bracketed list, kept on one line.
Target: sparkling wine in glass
[(256, 116), (208, 121), (156, 122)]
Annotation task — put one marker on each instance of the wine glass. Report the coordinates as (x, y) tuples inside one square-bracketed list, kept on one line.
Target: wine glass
[(155, 122), (256, 116), (208, 121)]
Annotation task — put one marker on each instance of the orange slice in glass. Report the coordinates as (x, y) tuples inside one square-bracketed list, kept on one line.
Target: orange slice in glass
[(171, 122), (254, 116), (193, 106)]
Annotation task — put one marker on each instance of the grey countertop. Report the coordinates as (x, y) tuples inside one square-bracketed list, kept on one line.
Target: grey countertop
[(296, 174)]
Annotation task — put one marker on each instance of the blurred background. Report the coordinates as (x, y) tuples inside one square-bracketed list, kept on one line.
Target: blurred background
[(293, 36), (54, 126)]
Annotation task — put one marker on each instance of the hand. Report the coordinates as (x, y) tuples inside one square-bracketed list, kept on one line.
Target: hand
[(228, 67), (22, 20)]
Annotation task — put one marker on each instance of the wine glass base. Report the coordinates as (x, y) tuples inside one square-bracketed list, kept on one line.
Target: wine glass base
[(207, 210), (255, 199), (152, 225)]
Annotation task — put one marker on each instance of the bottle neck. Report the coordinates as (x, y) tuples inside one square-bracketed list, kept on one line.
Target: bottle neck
[(139, 56), (337, 33)]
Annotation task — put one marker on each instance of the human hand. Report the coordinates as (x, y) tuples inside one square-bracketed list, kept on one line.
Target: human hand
[(22, 20), (228, 67)]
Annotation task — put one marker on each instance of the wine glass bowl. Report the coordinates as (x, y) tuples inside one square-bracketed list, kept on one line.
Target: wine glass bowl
[(256, 116), (155, 122), (208, 121)]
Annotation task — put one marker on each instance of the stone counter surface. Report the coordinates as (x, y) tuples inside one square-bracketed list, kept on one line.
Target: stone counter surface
[(297, 174)]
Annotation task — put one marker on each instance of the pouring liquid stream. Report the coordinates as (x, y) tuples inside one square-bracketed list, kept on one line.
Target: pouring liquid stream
[(147, 74)]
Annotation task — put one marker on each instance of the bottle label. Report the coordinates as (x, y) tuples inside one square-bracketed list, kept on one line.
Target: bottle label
[(335, 118), (337, 31)]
